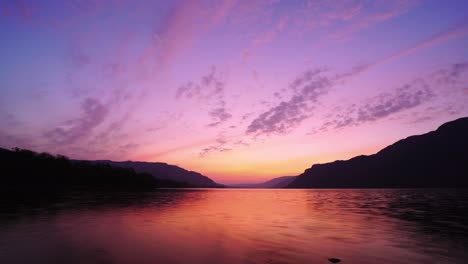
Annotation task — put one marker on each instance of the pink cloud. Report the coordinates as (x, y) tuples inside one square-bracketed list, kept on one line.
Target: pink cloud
[(456, 31), (439, 84), (209, 91), (307, 89), (94, 113), (357, 18)]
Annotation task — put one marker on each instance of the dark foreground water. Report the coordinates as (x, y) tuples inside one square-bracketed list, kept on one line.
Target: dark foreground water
[(239, 226)]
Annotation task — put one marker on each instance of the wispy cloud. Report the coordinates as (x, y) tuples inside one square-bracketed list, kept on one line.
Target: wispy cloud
[(209, 90), (163, 120), (331, 20), (219, 146), (178, 30), (223, 143), (210, 87), (184, 24), (94, 113), (433, 112), (385, 104), (452, 76), (441, 83), (289, 114), (281, 118), (355, 16), (37, 13), (307, 89), (455, 31), (219, 115)]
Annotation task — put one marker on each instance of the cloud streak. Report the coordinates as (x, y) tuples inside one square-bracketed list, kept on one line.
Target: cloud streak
[(94, 113), (307, 89), (381, 106), (442, 83), (289, 114), (220, 115), (359, 15), (210, 91), (219, 146), (458, 30)]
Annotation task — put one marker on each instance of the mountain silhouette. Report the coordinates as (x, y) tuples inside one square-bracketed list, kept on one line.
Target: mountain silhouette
[(282, 182), (436, 159), (165, 171), (26, 171), (279, 182)]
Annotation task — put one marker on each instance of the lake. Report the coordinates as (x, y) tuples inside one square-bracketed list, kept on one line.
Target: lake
[(239, 226)]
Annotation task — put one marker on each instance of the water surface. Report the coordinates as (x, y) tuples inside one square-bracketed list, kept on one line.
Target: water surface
[(239, 226)]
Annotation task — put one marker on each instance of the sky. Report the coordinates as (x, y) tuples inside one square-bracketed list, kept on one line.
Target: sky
[(240, 91)]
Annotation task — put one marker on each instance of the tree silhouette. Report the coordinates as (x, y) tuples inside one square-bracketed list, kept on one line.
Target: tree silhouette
[(26, 170)]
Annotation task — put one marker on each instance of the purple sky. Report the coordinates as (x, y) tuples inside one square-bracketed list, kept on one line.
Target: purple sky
[(240, 91)]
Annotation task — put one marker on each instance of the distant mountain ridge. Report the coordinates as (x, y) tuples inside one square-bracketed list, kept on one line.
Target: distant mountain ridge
[(435, 159), (29, 173), (279, 182), (165, 171)]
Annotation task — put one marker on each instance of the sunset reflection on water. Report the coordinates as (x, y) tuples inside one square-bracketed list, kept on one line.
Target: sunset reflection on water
[(241, 226)]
